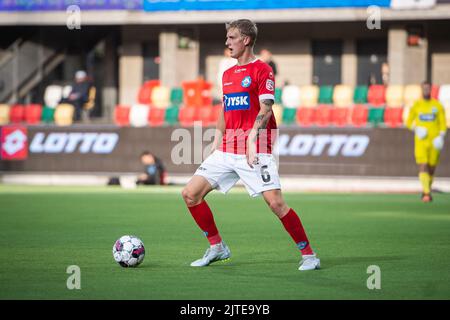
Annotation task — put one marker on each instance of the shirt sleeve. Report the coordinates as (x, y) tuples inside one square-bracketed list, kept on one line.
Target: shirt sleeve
[(266, 84), (442, 119), (411, 117)]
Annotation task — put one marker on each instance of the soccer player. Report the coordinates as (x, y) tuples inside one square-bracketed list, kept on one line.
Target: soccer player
[(242, 149), (427, 120)]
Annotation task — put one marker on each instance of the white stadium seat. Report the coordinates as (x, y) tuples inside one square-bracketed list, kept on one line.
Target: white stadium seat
[(53, 95), (290, 96), (139, 115)]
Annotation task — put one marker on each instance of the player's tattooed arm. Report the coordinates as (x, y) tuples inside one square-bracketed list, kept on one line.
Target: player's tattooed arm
[(262, 118)]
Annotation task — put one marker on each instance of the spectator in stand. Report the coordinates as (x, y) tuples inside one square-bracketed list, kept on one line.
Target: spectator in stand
[(154, 171), (79, 94), (266, 56)]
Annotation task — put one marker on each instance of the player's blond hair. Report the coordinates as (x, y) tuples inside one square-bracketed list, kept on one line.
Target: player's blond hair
[(246, 27)]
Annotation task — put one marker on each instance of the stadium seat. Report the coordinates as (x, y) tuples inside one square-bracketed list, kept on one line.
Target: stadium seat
[(342, 96), (53, 95), (145, 92), (90, 104), (122, 115), (278, 94), (359, 115), (405, 114), (413, 92), (322, 116), (204, 114), (186, 116), (66, 91), (376, 115), (48, 115), (435, 91), (376, 95), (309, 96), (393, 117), (160, 97), (277, 110), (176, 96), (171, 117), (444, 95), (305, 116), (217, 109), (33, 113), (64, 114), (289, 115), (340, 116), (326, 95), (156, 116), (360, 95), (196, 93), (290, 96), (394, 96), (4, 114), (17, 113), (139, 115)]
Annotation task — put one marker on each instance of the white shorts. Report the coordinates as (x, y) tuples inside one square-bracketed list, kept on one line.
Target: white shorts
[(223, 170)]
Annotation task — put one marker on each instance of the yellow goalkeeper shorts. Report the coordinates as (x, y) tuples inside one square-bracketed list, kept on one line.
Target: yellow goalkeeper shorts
[(425, 152)]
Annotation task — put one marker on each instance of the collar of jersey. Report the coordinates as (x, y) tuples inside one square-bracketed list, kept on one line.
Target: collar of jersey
[(243, 65)]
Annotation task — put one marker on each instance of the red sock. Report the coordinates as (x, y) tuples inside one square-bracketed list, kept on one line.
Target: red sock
[(203, 216), (293, 226)]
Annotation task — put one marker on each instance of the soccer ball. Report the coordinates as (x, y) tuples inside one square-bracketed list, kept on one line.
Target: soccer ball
[(129, 251)]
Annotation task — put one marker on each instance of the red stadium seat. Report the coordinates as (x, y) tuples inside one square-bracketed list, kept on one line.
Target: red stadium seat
[(305, 116), (187, 116), (323, 115), (359, 116), (197, 93), (217, 109), (145, 92), (156, 116), (204, 114), (17, 113), (340, 116), (122, 115), (435, 91), (33, 113), (393, 117), (376, 95)]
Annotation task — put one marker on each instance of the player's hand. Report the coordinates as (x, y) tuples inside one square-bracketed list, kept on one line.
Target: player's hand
[(252, 157), (438, 142), (421, 132)]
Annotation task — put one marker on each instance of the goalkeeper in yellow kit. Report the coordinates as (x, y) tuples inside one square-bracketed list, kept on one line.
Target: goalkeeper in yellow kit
[(427, 120)]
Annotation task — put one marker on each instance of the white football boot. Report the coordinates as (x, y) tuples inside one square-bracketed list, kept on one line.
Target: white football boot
[(217, 252), (309, 262)]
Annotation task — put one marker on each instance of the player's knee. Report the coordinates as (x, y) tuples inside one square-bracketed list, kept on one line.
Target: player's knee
[(189, 197), (277, 206)]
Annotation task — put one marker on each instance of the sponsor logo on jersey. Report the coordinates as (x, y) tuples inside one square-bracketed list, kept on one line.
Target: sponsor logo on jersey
[(82, 142), (270, 85), (227, 84), (246, 82), (240, 70), (236, 101), (427, 117), (14, 143), (302, 145)]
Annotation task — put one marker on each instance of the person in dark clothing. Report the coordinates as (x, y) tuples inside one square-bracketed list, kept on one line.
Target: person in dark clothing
[(154, 171), (266, 56), (80, 93)]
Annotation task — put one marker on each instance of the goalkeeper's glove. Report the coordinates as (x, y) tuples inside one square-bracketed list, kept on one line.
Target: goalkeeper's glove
[(421, 132), (438, 142)]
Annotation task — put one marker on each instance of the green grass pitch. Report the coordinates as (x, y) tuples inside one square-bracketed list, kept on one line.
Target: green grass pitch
[(43, 230)]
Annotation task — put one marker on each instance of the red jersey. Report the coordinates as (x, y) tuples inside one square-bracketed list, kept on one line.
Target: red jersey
[(243, 89)]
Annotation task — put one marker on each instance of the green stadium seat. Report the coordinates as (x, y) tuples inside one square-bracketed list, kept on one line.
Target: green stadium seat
[(176, 96), (326, 94), (278, 92), (172, 115), (360, 95), (48, 115), (289, 115), (376, 115)]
